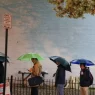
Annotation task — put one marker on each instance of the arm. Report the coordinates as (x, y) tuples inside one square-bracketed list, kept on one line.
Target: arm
[(30, 70), (87, 75), (54, 74)]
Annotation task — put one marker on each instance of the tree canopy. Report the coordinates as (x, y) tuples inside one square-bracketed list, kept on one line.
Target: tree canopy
[(73, 8)]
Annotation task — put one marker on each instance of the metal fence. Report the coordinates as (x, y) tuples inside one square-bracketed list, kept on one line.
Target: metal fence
[(20, 87)]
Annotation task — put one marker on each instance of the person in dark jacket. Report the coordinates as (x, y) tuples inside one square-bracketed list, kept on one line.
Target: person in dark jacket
[(60, 79), (84, 79), (1, 72)]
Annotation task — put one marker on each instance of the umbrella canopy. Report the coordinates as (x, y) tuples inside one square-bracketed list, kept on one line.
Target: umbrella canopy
[(28, 56), (2, 57), (85, 61), (62, 61)]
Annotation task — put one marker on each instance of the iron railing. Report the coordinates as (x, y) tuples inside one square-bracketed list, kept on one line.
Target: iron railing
[(20, 87)]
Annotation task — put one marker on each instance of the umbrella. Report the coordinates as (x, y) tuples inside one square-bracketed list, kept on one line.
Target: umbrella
[(28, 56), (85, 61), (62, 61), (2, 57)]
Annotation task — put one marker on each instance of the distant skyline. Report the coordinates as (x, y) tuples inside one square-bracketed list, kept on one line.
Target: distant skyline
[(35, 28)]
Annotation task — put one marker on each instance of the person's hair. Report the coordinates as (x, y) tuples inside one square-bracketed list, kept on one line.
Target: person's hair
[(83, 64), (35, 58)]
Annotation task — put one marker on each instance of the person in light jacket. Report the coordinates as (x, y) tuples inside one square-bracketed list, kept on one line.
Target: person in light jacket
[(36, 71)]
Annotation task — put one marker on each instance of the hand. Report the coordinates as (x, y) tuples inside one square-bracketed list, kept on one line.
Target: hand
[(54, 74), (30, 70)]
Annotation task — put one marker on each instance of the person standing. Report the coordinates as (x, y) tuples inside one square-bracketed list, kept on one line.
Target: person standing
[(60, 79), (36, 71), (1, 72), (84, 79)]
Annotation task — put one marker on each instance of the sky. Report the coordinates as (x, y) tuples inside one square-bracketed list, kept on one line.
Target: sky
[(36, 29)]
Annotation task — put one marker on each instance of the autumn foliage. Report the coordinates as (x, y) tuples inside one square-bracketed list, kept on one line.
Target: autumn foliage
[(73, 8)]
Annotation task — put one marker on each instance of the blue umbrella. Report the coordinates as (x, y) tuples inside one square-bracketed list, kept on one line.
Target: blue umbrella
[(85, 61)]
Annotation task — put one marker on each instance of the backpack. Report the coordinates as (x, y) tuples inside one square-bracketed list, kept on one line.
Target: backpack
[(91, 78)]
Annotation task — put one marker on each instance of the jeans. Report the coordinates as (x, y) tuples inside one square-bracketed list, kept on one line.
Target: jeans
[(34, 91), (60, 89)]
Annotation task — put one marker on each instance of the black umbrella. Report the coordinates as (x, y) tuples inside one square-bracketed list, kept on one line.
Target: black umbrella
[(62, 61), (2, 57)]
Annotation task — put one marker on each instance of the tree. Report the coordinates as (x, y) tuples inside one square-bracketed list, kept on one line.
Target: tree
[(73, 8)]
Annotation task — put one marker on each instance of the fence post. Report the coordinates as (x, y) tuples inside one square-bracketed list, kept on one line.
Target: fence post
[(11, 83)]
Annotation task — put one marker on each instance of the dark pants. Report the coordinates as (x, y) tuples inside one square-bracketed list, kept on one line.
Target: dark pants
[(34, 91), (1, 79)]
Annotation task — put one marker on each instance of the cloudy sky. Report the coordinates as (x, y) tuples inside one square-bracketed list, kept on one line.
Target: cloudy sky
[(35, 28)]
